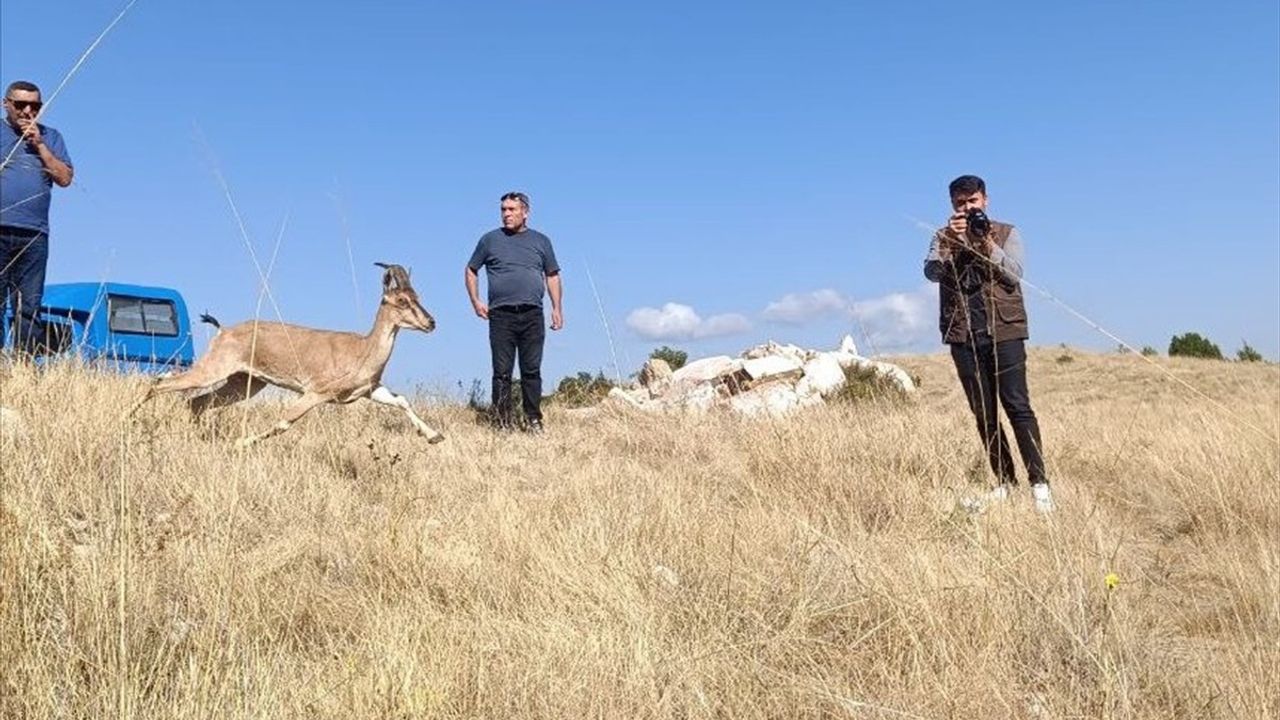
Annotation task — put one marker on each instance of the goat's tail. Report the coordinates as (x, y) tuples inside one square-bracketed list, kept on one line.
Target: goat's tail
[(207, 318)]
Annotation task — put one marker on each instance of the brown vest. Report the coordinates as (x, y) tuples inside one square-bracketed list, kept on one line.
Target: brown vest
[(1006, 313)]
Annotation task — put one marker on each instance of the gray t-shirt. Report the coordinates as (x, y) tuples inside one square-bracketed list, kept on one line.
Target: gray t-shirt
[(516, 265)]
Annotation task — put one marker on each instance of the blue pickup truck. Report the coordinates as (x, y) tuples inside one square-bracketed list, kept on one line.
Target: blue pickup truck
[(126, 327)]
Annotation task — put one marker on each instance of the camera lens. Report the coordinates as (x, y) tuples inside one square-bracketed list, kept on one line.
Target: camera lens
[(979, 224)]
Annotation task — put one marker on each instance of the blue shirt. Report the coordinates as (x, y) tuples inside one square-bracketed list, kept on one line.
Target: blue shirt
[(516, 265), (25, 187)]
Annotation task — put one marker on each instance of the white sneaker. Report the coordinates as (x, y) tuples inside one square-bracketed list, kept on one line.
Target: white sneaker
[(980, 503), (1043, 496)]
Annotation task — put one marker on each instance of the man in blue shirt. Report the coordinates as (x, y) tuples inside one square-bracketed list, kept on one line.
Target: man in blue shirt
[(32, 158), (519, 262)]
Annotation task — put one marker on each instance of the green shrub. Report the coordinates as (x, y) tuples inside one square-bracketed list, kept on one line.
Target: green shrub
[(582, 389), (1193, 345), (674, 358), (1248, 354), (862, 384), (1149, 351)]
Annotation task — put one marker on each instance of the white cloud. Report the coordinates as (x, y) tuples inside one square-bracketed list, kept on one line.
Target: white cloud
[(898, 319), (799, 308), (680, 322), (891, 321)]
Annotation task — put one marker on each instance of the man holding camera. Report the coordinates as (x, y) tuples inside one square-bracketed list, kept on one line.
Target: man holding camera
[(977, 263)]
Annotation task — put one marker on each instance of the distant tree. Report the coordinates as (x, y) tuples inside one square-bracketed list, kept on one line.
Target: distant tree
[(1248, 354), (1149, 351), (582, 389), (675, 358), (1193, 345)]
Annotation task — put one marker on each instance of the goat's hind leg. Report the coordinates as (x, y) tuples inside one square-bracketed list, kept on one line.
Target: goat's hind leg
[(200, 376), (383, 396), (240, 386)]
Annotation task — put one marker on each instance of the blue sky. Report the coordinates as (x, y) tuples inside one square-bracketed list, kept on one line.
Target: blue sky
[(728, 172)]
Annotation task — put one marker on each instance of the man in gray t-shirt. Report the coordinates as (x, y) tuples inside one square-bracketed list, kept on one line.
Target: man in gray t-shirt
[(519, 263)]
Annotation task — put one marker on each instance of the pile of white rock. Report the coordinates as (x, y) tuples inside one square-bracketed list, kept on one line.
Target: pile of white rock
[(768, 380)]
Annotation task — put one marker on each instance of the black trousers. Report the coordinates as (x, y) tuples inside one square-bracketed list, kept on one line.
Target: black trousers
[(998, 371), (517, 331)]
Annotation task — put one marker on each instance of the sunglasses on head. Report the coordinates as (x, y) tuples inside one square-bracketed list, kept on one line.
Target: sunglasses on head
[(25, 104)]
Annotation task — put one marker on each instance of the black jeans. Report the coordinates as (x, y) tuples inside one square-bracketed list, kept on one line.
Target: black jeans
[(519, 329), (23, 257), (989, 372)]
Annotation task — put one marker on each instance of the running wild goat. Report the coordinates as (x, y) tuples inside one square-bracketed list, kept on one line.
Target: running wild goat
[(325, 366)]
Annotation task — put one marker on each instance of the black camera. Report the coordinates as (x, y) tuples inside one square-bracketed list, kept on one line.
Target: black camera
[(979, 223)]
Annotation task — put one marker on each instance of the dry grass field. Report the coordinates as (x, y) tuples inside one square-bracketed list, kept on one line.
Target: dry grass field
[(635, 566)]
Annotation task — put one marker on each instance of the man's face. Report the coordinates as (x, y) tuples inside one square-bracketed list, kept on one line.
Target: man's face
[(22, 106), (514, 214), (965, 203)]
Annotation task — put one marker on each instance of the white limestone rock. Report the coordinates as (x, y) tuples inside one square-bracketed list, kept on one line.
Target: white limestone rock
[(775, 399), (706, 369), (656, 371), (823, 375), (772, 367)]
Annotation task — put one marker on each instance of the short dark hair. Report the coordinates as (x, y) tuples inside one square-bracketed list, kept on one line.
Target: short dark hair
[(524, 199), (21, 85), (967, 185)]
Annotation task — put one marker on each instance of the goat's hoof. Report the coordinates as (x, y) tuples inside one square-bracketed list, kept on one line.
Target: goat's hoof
[(437, 438)]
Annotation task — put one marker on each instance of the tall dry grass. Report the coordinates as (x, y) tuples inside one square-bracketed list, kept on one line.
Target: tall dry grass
[(632, 566)]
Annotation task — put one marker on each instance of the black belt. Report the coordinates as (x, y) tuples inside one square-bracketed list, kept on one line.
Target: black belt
[(526, 307), (20, 231)]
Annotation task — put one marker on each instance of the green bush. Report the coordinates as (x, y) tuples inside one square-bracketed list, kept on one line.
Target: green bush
[(1192, 345), (582, 389), (1248, 354), (862, 384), (675, 358), (1149, 351)]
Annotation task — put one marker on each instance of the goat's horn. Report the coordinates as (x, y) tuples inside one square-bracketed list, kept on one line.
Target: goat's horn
[(395, 277)]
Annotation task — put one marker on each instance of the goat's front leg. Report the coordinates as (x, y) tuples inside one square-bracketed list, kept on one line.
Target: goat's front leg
[(383, 396), (296, 410)]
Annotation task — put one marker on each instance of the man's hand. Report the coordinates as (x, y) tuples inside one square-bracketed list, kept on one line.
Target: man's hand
[(958, 224), (557, 319), (30, 132), (482, 310)]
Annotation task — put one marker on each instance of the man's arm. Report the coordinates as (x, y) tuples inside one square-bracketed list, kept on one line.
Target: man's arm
[(935, 263), (1008, 260), (473, 291), (555, 289), (551, 269), (470, 276), (60, 171)]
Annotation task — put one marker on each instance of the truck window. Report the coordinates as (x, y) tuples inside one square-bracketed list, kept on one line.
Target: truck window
[(142, 316)]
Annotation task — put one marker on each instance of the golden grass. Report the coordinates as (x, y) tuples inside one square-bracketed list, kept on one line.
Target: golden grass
[(631, 566)]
